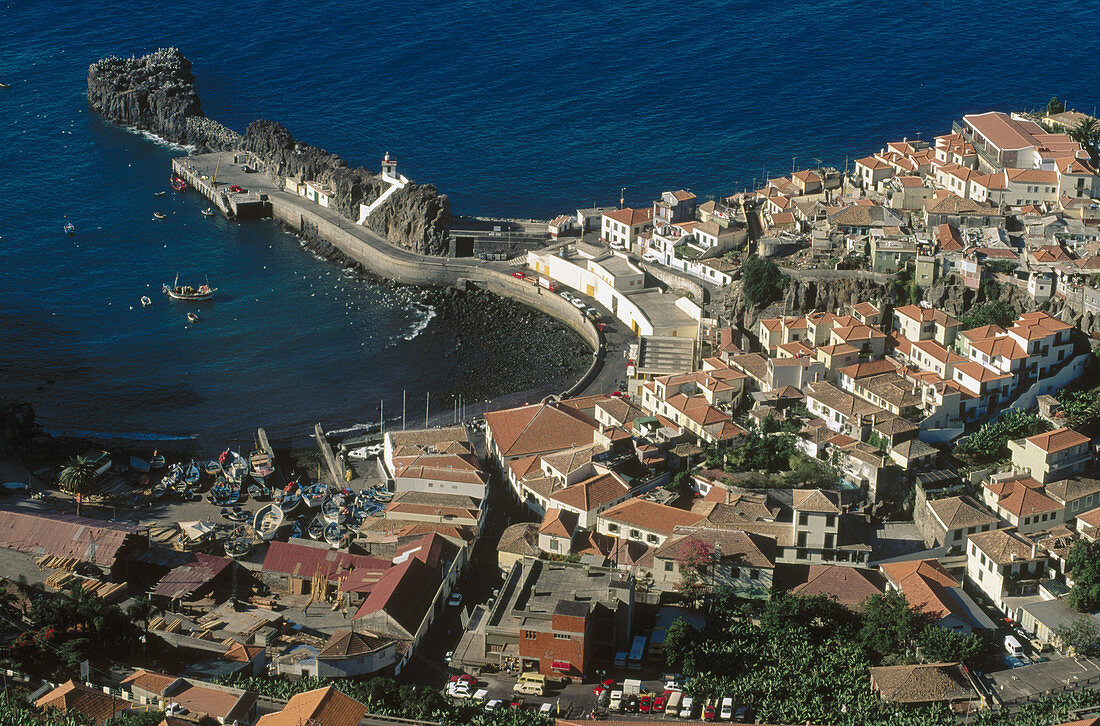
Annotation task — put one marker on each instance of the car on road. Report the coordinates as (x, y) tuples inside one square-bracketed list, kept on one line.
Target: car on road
[(546, 708), (602, 327), (607, 685), (494, 705), (518, 275), (463, 678), (454, 600), (687, 706), (616, 702), (651, 257), (577, 303), (592, 313), (236, 188), (481, 694), (727, 709), (459, 690), (565, 295)]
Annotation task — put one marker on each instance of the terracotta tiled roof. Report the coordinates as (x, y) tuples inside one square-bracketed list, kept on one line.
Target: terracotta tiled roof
[(89, 702), (520, 539), (351, 644), (650, 516), (814, 500), (960, 512), (592, 493), (1057, 440), (738, 548), (538, 429), (1065, 490), (326, 706), (1002, 546), (631, 217), (850, 585), (558, 522), (241, 653)]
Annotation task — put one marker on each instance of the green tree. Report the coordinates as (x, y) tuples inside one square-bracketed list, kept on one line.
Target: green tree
[(694, 560), (990, 442), (1082, 634), (760, 451), (992, 312), (681, 643), (1087, 133), (1055, 105), (762, 281), (77, 478), (1084, 566), (810, 473), (820, 616), (141, 610), (890, 625), (940, 645)]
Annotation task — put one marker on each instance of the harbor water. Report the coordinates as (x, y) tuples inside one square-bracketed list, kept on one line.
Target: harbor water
[(514, 110)]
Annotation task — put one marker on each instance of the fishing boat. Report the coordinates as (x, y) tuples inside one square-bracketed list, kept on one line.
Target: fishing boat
[(190, 474), (257, 491), (157, 461), (159, 194), (381, 495), (208, 212), (139, 464), (238, 544), (334, 509), (69, 228), (192, 317), (160, 215), (313, 496), (334, 534), (187, 292), (289, 501), (160, 489), (316, 528), (179, 184), (261, 466), (267, 521), (145, 301), (233, 465), (213, 468)]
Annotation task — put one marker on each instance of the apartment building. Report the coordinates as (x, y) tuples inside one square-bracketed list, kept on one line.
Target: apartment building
[(1004, 565), (623, 227), (1020, 502), (928, 587), (1053, 455)]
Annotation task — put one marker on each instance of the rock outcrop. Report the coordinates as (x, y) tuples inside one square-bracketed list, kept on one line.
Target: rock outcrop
[(416, 217), (156, 93)]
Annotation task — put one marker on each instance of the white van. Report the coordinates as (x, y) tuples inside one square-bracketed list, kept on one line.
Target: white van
[(616, 702), (727, 709), (1013, 647), (687, 707)]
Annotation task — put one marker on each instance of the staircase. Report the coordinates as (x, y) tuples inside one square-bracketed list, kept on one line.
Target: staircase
[(395, 182)]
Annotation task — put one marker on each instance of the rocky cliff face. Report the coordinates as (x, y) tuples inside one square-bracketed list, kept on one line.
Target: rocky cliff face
[(416, 217), (157, 93)]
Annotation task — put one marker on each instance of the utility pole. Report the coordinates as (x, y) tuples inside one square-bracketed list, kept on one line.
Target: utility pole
[(382, 417), (427, 397), (404, 391)]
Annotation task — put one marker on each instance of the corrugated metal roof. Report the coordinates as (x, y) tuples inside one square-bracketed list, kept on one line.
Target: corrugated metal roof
[(186, 579), (64, 535), (305, 561)]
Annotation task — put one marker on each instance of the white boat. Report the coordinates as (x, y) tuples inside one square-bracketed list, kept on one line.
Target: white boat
[(192, 317), (191, 474), (159, 215), (213, 468), (157, 462), (289, 501), (161, 488), (208, 212), (139, 464), (146, 301), (316, 528), (313, 496), (188, 292), (334, 509), (267, 521), (261, 466)]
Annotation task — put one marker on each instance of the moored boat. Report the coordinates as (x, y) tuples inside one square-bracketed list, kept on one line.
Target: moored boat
[(314, 495), (334, 534), (316, 528), (159, 194), (208, 212), (179, 184), (176, 291), (261, 467), (193, 317), (146, 301), (267, 521), (159, 215), (157, 461), (69, 228)]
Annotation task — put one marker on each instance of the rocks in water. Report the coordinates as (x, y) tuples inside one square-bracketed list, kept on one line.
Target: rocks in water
[(156, 93)]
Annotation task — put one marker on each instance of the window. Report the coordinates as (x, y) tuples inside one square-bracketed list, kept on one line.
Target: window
[(670, 566), (612, 527), (829, 541), (801, 539), (635, 534), (652, 538), (530, 634), (803, 519), (802, 554), (562, 636), (754, 574), (554, 543), (830, 520)]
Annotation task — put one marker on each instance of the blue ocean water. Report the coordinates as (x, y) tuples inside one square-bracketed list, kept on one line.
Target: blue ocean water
[(514, 109)]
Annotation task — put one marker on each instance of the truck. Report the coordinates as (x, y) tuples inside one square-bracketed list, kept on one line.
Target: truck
[(548, 284), (675, 698), (1013, 647), (632, 686)]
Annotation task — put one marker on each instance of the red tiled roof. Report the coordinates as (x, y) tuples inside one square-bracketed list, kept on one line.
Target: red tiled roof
[(1058, 439), (538, 429), (323, 706), (404, 594), (850, 585)]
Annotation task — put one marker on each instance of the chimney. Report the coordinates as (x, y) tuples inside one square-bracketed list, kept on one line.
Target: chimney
[(1034, 550)]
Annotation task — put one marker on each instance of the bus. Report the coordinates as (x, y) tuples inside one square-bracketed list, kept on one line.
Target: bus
[(637, 653)]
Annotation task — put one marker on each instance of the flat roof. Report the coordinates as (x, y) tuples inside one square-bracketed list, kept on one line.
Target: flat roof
[(1037, 680)]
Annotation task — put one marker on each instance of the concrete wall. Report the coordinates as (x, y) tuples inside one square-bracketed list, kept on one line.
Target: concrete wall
[(679, 281)]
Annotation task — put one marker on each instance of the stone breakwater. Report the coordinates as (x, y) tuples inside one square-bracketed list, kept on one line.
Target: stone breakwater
[(156, 93)]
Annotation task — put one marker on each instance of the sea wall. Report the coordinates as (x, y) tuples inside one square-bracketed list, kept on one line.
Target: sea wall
[(157, 93)]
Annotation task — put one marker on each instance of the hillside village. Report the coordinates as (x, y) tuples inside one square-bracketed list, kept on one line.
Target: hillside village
[(757, 465)]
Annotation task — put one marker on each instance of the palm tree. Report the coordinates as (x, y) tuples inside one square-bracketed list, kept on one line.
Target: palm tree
[(142, 608), (77, 478), (1087, 134)]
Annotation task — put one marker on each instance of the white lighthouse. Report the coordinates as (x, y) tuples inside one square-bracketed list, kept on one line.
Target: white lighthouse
[(389, 169), (392, 179)]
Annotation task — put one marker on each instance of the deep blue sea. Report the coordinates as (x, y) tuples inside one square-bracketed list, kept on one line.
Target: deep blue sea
[(514, 109)]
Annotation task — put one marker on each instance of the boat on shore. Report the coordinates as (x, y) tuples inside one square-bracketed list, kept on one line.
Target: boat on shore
[(313, 496), (260, 466), (267, 521), (316, 529), (335, 534), (138, 464), (213, 468), (289, 501), (238, 544), (334, 509), (191, 474), (157, 461)]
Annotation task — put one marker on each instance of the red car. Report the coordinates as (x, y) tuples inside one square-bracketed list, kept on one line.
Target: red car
[(518, 275), (602, 327), (659, 703), (236, 188), (605, 686), (645, 703), (463, 678)]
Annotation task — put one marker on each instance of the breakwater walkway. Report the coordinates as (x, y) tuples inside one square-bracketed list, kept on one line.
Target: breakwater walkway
[(264, 198)]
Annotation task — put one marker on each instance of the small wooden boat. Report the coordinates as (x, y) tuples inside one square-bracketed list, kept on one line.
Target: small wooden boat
[(261, 466), (213, 468), (316, 529), (334, 509), (160, 488), (257, 491), (313, 496), (192, 317), (187, 292), (179, 184), (208, 212), (334, 534), (237, 547), (145, 301), (69, 228), (191, 474), (160, 215), (139, 464), (289, 501), (159, 194), (267, 521), (157, 462)]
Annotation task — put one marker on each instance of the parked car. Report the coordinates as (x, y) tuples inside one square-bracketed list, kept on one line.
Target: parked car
[(578, 303), (494, 705), (236, 188), (659, 703), (455, 599), (564, 295), (727, 709), (616, 702), (602, 327), (546, 708), (459, 690), (674, 686), (592, 313), (518, 275), (481, 694), (710, 708), (630, 703), (463, 678), (741, 714), (687, 706), (605, 686)]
